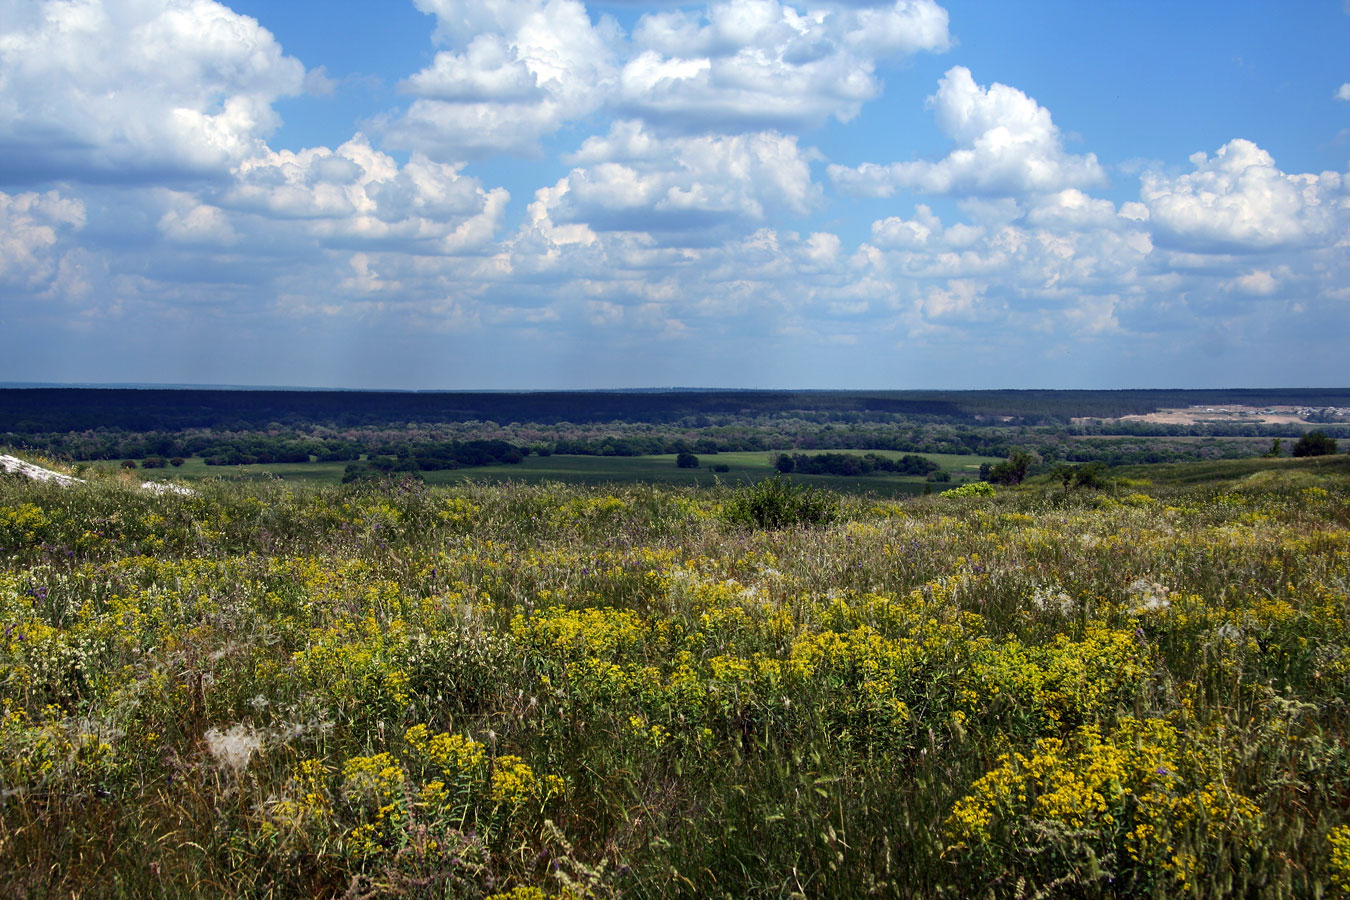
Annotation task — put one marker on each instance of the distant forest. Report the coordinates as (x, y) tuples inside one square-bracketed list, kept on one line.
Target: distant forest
[(427, 431), (35, 410)]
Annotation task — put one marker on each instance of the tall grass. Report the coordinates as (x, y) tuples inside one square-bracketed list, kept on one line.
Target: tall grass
[(272, 690)]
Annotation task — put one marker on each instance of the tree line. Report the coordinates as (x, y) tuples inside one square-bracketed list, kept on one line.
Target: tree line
[(29, 410), (849, 464)]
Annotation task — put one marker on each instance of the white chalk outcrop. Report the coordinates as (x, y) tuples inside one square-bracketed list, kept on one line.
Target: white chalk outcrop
[(16, 466)]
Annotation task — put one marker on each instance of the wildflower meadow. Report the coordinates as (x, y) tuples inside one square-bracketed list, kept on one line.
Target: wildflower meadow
[(520, 692)]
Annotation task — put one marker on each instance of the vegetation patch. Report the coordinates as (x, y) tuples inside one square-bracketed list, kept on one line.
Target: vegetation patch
[(395, 689)]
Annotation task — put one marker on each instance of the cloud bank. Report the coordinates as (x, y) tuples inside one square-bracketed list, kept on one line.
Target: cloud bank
[(681, 213)]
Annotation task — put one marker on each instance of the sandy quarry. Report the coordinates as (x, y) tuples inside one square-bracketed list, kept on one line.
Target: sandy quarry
[(1191, 415)]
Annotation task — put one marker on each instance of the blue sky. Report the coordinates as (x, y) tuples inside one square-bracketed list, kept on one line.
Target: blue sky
[(750, 193)]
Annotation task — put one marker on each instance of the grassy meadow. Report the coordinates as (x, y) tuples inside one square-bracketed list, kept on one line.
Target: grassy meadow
[(275, 689), (745, 467)]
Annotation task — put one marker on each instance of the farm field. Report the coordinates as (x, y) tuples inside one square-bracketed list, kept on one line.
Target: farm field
[(527, 691), (597, 470)]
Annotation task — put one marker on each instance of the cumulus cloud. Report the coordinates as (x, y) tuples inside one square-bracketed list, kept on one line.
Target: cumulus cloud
[(488, 70), (519, 70), (360, 197), (124, 90), (751, 64), (1343, 93), (516, 71), (1239, 201), (630, 180), (1063, 263), (188, 221), (1007, 144), (1068, 265), (1258, 282), (31, 228), (671, 227)]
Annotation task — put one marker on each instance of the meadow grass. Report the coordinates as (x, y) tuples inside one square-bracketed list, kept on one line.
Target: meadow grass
[(745, 467), (525, 691)]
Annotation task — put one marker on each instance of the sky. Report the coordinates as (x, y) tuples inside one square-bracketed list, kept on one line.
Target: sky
[(551, 194)]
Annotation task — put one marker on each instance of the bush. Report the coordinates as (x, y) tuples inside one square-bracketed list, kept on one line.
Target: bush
[(177, 461), (686, 460), (1087, 476), (721, 467), (971, 489), (778, 503), (1090, 475), (1314, 443)]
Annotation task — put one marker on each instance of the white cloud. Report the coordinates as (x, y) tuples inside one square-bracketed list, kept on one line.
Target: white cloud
[(670, 229), (318, 83), (1258, 283), (489, 70), (752, 64), (629, 180), (522, 70), (31, 227), (1071, 208), (1343, 93), (516, 71), (1060, 265), (1238, 201), (1007, 145), (189, 221), (360, 197), (125, 89)]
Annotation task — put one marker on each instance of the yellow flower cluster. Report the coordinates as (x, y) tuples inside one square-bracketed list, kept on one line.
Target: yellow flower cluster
[(455, 756), (21, 525), (1140, 785), (514, 784), (1338, 861), (380, 799)]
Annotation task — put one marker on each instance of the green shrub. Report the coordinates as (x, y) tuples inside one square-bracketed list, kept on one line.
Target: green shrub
[(1314, 443), (972, 489), (778, 503)]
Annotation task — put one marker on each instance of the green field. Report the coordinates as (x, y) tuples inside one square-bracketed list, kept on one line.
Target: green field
[(595, 470), (1259, 469)]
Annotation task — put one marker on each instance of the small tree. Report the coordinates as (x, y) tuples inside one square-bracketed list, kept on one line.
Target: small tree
[(686, 460), (1011, 471), (784, 463), (1314, 443)]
